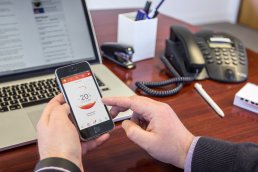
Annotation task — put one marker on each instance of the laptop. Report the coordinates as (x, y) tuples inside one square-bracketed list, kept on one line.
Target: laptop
[(36, 37)]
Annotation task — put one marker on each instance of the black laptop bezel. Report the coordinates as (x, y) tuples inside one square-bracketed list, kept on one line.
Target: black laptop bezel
[(44, 70)]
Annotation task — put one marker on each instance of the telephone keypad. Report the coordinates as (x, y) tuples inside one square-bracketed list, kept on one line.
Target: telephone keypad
[(224, 56), (210, 61), (230, 61), (242, 54), (217, 54), (209, 57), (234, 58), (206, 53), (235, 63), (242, 63)]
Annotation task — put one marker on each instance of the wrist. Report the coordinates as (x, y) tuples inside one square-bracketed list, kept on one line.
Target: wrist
[(189, 157), (186, 146)]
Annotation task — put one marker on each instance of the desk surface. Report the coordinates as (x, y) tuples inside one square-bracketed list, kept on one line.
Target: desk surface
[(119, 153)]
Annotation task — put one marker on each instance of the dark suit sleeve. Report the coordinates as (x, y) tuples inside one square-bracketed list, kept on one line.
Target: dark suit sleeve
[(55, 164), (217, 155)]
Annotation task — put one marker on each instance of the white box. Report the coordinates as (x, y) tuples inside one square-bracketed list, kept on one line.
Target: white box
[(247, 97), (140, 34)]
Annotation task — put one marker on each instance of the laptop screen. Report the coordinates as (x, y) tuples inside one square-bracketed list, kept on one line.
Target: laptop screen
[(43, 34)]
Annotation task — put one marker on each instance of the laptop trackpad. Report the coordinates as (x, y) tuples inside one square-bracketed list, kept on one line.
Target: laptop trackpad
[(15, 129), (34, 117)]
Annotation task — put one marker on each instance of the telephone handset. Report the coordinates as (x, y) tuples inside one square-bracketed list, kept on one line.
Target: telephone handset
[(190, 55), (206, 54), (183, 52)]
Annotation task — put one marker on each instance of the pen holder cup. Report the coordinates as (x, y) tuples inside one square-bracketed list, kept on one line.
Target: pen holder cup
[(141, 35)]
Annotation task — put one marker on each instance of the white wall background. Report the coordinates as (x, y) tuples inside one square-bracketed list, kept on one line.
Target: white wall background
[(191, 11)]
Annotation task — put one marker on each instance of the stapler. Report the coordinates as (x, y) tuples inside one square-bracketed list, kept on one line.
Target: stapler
[(120, 54)]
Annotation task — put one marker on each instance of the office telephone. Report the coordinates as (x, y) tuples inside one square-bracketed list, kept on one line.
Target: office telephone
[(203, 55)]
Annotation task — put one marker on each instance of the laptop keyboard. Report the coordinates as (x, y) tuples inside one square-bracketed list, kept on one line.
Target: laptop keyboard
[(29, 94)]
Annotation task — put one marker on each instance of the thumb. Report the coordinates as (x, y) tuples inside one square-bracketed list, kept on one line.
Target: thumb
[(135, 133)]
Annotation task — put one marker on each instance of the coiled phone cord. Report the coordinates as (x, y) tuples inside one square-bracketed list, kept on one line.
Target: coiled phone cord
[(146, 87)]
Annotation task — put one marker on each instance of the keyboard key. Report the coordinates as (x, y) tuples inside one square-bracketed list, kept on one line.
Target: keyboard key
[(12, 93), (3, 95), (14, 107), (26, 95), (23, 100), (14, 102), (37, 102), (34, 93), (16, 97), (6, 88), (41, 96), (51, 90), (6, 99), (21, 91), (4, 109), (48, 87), (4, 104), (38, 88), (28, 90), (32, 98), (43, 91), (50, 95), (105, 89)]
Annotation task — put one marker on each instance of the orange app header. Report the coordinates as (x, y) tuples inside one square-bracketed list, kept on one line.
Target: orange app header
[(76, 77)]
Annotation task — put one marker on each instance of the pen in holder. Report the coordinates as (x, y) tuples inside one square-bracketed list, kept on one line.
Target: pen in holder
[(140, 34)]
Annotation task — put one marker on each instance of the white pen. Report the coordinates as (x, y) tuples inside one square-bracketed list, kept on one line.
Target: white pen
[(203, 93)]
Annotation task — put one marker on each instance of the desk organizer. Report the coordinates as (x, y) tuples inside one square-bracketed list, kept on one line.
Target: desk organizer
[(140, 34)]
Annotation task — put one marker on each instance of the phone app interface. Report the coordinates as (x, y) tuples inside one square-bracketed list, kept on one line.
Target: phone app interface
[(84, 99)]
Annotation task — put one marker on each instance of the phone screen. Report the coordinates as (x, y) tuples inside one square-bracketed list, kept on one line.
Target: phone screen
[(84, 99)]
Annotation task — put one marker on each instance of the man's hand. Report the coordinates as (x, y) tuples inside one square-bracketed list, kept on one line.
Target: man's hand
[(57, 136), (155, 127)]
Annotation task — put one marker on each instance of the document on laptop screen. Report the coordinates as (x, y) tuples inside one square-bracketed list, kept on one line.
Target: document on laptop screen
[(39, 33)]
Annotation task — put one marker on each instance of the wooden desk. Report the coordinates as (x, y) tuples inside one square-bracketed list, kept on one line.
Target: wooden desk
[(118, 153)]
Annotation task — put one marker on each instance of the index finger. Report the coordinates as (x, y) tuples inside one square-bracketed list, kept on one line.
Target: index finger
[(56, 101), (140, 105)]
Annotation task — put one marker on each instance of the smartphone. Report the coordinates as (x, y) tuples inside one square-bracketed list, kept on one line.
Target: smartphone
[(80, 89)]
